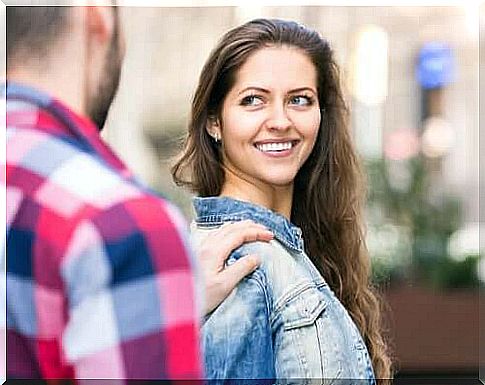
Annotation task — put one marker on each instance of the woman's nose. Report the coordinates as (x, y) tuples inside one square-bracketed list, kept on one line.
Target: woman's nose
[(278, 119)]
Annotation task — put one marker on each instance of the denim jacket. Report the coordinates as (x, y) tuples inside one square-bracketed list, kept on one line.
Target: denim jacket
[(283, 321)]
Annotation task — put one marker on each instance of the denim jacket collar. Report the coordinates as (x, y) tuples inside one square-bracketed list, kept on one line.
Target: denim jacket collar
[(211, 210)]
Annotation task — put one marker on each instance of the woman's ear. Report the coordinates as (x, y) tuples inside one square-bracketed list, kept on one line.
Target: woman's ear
[(213, 128)]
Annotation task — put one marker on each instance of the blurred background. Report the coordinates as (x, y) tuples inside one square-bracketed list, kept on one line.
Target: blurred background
[(411, 80)]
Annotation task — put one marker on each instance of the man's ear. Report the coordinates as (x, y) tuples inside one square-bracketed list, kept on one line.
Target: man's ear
[(100, 22)]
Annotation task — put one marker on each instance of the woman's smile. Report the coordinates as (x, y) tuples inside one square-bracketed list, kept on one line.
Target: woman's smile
[(277, 148)]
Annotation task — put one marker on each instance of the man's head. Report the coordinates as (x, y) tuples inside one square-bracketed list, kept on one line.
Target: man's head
[(86, 41), (32, 30)]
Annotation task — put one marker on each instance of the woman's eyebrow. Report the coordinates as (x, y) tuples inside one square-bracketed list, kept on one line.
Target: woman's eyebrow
[(303, 89), (266, 91), (260, 89)]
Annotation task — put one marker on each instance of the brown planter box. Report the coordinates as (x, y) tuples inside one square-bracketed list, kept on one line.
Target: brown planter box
[(435, 331)]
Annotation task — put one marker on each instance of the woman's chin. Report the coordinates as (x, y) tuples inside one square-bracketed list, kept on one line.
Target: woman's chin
[(280, 181)]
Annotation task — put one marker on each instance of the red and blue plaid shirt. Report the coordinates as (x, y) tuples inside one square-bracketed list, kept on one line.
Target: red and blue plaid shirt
[(100, 277)]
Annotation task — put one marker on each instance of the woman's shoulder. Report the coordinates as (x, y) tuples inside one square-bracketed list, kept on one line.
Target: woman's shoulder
[(278, 261), (200, 231), (281, 270)]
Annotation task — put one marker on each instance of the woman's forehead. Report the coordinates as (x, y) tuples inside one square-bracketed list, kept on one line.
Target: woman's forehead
[(281, 67)]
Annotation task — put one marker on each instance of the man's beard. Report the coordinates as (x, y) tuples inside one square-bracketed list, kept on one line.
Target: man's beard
[(100, 103)]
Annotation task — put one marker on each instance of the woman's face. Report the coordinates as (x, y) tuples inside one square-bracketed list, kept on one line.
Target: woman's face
[(270, 118)]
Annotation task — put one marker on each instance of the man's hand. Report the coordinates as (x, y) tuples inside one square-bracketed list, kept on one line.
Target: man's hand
[(215, 249)]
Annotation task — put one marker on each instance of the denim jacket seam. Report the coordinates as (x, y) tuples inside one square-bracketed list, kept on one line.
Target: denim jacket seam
[(264, 289), (291, 294), (267, 298)]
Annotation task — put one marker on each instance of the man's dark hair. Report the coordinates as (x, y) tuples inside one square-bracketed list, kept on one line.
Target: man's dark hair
[(31, 30)]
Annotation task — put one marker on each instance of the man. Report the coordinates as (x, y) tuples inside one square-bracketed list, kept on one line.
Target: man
[(100, 281)]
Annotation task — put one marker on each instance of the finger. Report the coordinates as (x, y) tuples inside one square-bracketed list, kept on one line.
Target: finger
[(235, 237), (230, 227), (234, 273), (244, 228), (226, 229), (215, 249)]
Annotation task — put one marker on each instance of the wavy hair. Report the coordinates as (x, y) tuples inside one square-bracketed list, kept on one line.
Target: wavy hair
[(329, 191)]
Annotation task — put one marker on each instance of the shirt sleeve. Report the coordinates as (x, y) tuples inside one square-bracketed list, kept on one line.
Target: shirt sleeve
[(131, 289)]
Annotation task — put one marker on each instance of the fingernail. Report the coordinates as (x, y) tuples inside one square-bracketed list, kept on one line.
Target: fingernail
[(256, 261)]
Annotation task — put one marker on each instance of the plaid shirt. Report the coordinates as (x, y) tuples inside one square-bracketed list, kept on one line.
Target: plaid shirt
[(100, 279)]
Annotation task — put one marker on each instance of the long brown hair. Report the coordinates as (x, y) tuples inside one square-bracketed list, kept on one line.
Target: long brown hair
[(329, 188)]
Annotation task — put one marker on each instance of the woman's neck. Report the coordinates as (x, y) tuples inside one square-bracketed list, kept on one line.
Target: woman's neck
[(277, 199)]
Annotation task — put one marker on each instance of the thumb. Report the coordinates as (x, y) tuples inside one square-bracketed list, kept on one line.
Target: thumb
[(234, 273)]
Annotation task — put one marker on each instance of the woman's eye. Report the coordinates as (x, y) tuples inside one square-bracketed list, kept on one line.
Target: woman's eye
[(252, 100), (301, 100)]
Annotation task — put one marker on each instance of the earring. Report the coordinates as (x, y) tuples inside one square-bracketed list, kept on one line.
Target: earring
[(216, 137)]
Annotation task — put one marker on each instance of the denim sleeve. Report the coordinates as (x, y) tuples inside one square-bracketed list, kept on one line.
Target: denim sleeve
[(237, 341)]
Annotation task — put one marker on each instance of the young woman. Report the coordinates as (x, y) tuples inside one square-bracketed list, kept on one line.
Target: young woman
[(269, 141)]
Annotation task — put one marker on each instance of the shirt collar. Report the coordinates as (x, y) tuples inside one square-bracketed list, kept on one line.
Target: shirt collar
[(224, 209), (17, 91), (74, 125)]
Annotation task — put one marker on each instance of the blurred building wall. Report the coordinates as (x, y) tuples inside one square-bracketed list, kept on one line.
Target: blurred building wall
[(168, 46)]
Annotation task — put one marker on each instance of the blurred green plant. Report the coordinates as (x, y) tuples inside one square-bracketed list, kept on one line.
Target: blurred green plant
[(403, 197)]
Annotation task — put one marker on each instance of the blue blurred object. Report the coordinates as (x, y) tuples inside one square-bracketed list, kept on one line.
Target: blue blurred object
[(436, 65)]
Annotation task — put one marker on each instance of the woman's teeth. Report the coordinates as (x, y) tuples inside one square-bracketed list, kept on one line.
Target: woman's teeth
[(266, 147)]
